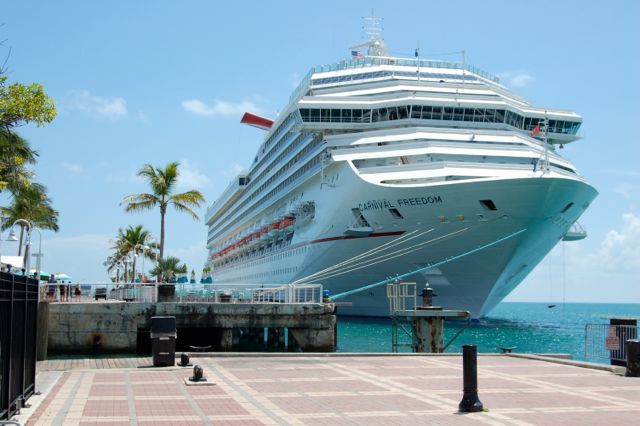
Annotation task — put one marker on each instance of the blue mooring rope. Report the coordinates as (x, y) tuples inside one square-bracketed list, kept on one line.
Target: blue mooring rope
[(435, 265)]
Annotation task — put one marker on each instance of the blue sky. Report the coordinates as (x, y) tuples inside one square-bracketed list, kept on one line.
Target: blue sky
[(152, 82)]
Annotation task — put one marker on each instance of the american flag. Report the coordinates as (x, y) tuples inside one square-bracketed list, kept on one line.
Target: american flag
[(356, 55)]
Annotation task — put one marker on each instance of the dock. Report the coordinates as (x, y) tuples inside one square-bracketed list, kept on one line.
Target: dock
[(336, 389), (210, 317)]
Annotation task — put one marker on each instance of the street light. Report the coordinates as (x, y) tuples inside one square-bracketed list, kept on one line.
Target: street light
[(145, 248), (13, 237), (126, 262), (38, 255)]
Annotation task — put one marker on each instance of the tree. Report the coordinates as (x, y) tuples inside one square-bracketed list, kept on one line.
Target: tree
[(33, 205), (20, 104), (163, 183), (15, 156), (166, 269), (136, 240)]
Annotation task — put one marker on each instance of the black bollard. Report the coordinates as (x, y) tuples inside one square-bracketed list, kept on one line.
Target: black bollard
[(198, 374), (470, 402), (633, 358), (184, 360)]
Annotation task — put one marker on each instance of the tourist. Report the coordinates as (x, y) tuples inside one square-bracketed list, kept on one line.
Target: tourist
[(52, 288), (77, 293)]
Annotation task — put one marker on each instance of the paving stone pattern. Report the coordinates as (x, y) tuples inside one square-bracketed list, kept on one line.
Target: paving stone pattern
[(382, 390)]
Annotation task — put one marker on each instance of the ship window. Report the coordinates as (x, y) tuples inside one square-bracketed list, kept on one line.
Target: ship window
[(567, 207), (396, 214), (488, 205)]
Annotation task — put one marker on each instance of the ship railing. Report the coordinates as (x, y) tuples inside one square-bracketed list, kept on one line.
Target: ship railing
[(373, 61), (607, 341)]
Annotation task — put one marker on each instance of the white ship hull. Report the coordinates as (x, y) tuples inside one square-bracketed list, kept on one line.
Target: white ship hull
[(438, 222)]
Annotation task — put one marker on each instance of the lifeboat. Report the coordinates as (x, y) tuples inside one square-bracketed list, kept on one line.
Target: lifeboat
[(286, 226), (274, 229), (264, 233), (254, 239)]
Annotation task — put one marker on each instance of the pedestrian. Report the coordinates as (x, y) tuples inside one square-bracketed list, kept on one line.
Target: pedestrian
[(77, 292), (52, 287)]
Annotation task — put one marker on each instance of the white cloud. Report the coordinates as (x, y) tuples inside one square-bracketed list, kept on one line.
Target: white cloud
[(620, 249), (191, 177), (606, 272), (73, 168), (105, 107), (516, 78), (218, 108)]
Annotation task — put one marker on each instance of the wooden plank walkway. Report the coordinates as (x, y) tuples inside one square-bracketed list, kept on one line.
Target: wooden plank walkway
[(101, 363)]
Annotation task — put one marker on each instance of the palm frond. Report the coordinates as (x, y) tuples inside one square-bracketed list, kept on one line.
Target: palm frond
[(186, 209)]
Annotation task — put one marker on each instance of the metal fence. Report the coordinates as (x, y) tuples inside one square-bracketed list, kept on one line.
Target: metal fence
[(608, 341), (18, 329), (187, 292), (402, 297)]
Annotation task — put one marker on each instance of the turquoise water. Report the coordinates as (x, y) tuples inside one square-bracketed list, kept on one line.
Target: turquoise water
[(532, 327)]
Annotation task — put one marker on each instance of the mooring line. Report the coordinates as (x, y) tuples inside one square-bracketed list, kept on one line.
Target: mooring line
[(435, 265)]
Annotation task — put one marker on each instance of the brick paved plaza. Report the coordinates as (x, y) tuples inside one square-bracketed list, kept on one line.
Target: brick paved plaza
[(336, 390)]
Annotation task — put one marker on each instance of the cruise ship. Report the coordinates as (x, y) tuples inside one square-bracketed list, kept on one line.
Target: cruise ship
[(383, 167)]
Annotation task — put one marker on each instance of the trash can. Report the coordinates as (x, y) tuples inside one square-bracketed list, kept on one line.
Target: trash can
[(163, 341)]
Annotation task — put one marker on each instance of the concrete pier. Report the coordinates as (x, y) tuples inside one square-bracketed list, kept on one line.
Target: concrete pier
[(120, 327)]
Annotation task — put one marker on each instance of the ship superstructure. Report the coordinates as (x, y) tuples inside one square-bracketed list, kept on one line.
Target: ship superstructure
[(382, 165)]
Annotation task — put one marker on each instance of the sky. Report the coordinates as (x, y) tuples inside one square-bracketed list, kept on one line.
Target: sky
[(140, 82)]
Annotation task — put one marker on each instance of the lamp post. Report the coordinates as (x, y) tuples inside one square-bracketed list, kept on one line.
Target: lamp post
[(145, 249), (126, 262), (12, 236), (38, 255)]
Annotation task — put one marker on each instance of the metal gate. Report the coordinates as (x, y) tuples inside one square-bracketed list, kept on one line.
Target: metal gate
[(608, 341), (18, 326)]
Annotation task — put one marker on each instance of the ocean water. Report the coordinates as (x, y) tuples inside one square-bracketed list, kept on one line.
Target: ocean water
[(532, 327)]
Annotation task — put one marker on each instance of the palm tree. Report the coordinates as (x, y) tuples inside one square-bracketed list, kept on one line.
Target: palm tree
[(165, 269), (30, 203), (15, 155), (136, 240), (163, 183)]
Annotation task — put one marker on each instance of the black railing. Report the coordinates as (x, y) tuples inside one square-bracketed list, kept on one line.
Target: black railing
[(18, 327)]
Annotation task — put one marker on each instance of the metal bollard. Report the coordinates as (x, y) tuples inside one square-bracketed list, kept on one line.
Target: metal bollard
[(633, 358), (198, 374), (470, 402), (184, 360)]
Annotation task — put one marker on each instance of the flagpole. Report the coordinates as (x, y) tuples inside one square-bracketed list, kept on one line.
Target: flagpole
[(546, 142), (418, 58)]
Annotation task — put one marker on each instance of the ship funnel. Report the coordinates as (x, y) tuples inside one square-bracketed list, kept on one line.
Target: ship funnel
[(256, 121)]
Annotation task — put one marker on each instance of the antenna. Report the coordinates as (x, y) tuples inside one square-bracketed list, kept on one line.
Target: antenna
[(372, 26)]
